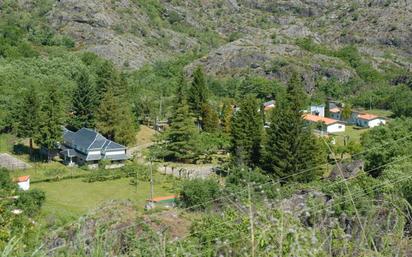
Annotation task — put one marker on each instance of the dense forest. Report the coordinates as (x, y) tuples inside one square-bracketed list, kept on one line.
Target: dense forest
[(205, 71)]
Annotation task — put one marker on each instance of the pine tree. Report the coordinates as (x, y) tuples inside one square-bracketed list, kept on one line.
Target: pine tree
[(291, 147), (107, 78), (28, 116), (84, 103), (115, 120), (51, 121), (198, 93), (181, 136), (107, 115), (246, 133), (210, 120), (226, 116), (181, 94)]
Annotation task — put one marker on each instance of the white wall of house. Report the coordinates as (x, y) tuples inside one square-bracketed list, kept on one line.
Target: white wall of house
[(25, 185), (337, 127), (116, 152), (376, 122), (93, 152)]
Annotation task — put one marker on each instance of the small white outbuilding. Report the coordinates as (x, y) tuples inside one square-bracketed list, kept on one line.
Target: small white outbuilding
[(24, 182)]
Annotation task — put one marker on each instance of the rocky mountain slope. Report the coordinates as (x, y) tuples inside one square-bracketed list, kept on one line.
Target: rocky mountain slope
[(241, 36)]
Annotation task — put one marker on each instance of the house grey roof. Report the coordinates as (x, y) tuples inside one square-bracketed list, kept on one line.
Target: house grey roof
[(86, 139), (69, 153)]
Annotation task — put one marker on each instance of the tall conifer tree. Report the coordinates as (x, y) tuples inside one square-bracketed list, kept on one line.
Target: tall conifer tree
[(246, 133), (51, 121), (210, 120), (84, 103), (291, 146), (198, 93), (182, 135), (28, 116)]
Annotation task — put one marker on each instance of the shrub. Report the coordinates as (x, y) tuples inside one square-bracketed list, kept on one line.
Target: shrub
[(30, 201), (198, 193)]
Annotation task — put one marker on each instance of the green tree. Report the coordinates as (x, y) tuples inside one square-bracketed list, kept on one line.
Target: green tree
[(114, 119), (386, 143), (346, 112), (198, 193), (198, 93), (84, 102), (210, 120), (28, 116), (181, 137), (107, 78), (291, 147), (226, 116), (51, 121), (246, 133)]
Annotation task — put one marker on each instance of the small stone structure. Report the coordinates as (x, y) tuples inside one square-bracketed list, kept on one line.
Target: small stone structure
[(12, 163)]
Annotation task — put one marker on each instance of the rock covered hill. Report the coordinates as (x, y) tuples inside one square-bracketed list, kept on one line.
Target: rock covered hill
[(242, 36)]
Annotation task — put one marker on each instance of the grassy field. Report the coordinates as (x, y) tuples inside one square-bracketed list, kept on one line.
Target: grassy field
[(69, 199), (353, 134)]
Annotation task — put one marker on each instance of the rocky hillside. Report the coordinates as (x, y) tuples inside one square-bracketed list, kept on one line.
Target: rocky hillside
[(242, 36)]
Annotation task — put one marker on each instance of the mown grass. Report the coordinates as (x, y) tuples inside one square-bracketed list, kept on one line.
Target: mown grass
[(69, 199), (352, 132)]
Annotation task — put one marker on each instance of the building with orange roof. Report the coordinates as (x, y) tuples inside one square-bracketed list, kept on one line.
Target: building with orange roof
[(325, 124), (369, 120), (23, 182)]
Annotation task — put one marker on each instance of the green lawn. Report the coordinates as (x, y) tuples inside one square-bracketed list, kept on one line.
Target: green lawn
[(70, 199), (350, 131)]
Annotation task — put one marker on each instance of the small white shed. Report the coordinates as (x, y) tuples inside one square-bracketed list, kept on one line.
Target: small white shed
[(24, 182), (370, 120)]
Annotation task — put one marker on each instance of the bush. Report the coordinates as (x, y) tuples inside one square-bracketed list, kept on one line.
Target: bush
[(198, 193), (30, 201)]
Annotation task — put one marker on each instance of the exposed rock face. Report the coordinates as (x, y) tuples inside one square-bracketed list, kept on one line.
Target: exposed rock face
[(257, 54), (348, 170), (127, 32)]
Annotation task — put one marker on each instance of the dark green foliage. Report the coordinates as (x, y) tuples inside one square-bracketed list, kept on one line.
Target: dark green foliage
[(210, 118), (198, 194), (114, 119), (198, 92), (226, 116), (28, 116), (52, 119), (291, 146), (107, 78), (381, 146), (84, 104), (401, 103), (346, 112), (6, 184), (181, 137), (259, 86), (30, 201), (246, 133)]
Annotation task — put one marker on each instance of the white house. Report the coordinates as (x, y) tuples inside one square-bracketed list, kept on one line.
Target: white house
[(318, 110), (24, 182), (369, 120), (325, 124)]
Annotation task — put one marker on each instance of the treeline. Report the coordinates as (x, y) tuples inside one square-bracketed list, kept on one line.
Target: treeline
[(96, 98)]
